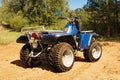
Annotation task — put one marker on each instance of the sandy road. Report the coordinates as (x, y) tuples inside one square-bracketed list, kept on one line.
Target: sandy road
[(107, 68)]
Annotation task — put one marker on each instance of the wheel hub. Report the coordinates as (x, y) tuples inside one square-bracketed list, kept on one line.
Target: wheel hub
[(68, 58), (96, 52)]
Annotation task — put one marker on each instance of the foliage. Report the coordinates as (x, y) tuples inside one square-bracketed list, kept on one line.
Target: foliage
[(39, 11), (102, 16), (5, 16), (72, 14), (33, 12), (105, 17), (83, 17), (17, 22), (59, 26)]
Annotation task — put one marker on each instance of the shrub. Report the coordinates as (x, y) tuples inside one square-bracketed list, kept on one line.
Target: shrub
[(18, 22)]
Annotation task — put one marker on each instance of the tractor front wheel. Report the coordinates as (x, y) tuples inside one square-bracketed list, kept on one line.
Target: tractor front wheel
[(94, 52)]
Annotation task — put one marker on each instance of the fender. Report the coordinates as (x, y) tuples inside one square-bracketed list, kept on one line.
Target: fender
[(48, 39), (86, 39), (22, 39), (56, 38), (68, 39)]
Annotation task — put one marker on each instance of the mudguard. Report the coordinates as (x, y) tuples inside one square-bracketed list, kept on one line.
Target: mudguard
[(56, 38), (85, 40), (22, 39), (48, 39)]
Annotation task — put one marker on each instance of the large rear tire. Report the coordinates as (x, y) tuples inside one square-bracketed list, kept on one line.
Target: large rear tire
[(94, 52), (61, 57), (24, 56)]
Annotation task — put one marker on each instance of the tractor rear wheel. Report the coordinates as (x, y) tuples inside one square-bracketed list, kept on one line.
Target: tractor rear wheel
[(61, 57)]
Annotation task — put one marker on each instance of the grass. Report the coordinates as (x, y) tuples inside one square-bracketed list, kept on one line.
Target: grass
[(7, 36)]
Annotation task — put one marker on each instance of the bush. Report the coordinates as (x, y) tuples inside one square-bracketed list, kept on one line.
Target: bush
[(18, 22), (58, 26)]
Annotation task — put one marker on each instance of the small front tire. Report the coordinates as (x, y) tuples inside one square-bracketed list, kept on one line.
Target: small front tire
[(94, 52)]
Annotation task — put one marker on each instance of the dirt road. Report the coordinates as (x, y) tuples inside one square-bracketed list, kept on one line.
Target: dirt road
[(107, 68)]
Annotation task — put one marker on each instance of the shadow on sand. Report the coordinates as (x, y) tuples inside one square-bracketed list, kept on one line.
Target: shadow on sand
[(44, 65), (79, 59)]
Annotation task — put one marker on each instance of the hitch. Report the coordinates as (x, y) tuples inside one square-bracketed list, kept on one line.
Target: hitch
[(34, 56)]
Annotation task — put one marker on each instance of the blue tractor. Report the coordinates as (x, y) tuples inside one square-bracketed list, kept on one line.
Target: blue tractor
[(58, 47)]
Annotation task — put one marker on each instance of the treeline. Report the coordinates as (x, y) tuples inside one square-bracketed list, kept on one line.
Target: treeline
[(102, 16)]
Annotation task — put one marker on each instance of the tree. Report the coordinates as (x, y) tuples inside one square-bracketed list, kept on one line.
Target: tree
[(37, 12), (83, 18), (104, 16)]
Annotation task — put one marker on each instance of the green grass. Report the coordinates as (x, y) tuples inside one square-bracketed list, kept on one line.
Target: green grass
[(7, 36)]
